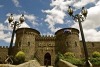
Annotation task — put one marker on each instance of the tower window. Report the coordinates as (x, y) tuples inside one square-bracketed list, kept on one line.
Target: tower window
[(19, 44), (67, 44), (28, 43), (40, 45), (49, 45), (75, 44)]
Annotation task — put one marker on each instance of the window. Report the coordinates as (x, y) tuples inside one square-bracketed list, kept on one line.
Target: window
[(75, 44), (67, 44), (28, 43), (49, 45)]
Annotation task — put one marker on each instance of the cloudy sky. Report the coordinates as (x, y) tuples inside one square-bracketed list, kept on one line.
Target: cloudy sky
[(48, 16)]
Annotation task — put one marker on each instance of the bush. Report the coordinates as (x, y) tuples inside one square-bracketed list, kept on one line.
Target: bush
[(20, 57), (74, 61), (96, 54), (61, 56), (95, 61), (69, 55)]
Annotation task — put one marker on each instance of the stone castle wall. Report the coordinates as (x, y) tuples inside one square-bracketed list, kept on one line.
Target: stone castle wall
[(91, 47), (44, 45), (34, 45), (3, 52)]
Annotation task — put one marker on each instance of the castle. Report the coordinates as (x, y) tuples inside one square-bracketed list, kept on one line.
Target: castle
[(47, 47)]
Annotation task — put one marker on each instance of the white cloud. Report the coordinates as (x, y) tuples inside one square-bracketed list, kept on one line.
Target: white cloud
[(91, 23), (16, 3), (6, 36), (98, 3), (57, 14), (93, 20), (1, 6), (28, 17), (31, 18), (81, 3), (24, 25), (16, 18), (92, 35)]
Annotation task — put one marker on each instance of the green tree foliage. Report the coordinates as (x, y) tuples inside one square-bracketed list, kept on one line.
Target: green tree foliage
[(95, 59), (20, 57)]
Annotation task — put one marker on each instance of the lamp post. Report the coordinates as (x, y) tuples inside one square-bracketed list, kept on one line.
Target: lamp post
[(80, 18), (14, 24)]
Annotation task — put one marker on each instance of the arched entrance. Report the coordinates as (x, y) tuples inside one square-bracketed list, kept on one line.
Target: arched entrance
[(47, 59)]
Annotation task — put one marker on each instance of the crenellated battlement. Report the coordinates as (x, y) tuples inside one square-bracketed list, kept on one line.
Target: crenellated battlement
[(46, 37), (28, 31), (4, 47), (67, 31)]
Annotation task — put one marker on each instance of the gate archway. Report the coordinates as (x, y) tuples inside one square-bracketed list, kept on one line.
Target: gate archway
[(47, 59)]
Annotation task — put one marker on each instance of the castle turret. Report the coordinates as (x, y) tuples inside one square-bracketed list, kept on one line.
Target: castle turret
[(67, 40), (25, 41)]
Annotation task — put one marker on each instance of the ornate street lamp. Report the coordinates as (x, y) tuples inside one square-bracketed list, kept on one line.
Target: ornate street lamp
[(14, 24), (80, 18)]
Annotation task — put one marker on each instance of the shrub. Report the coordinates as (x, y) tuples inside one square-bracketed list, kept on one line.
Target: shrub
[(95, 54), (74, 61), (95, 61), (60, 56), (20, 57), (69, 55)]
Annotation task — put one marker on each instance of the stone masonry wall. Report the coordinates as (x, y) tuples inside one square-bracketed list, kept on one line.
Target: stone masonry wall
[(91, 47), (44, 45), (3, 52), (67, 40)]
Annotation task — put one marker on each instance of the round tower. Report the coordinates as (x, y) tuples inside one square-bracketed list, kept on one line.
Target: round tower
[(67, 40), (25, 41)]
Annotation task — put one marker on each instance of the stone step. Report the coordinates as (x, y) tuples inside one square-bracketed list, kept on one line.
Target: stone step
[(45, 66)]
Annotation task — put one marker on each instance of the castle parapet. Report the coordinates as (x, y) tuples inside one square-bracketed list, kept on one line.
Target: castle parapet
[(28, 31), (45, 37), (67, 31), (4, 47)]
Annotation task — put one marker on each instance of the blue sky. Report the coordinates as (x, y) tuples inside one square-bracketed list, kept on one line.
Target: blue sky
[(48, 16)]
